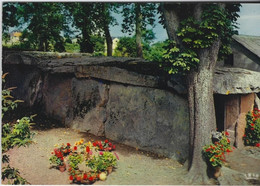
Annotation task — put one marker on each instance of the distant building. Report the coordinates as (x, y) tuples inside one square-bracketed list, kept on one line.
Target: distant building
[(15, 36)]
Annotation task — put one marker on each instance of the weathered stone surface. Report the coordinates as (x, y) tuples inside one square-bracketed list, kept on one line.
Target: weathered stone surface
[(89, 98), (151, 119), (232, 177), (115, 74), (57, 96), (28, 80), (235, 81)]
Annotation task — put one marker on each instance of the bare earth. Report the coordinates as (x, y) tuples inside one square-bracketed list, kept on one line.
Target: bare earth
[(135, 167)]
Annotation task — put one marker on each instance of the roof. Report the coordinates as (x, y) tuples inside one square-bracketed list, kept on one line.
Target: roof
[(252, 43), (235, 81)]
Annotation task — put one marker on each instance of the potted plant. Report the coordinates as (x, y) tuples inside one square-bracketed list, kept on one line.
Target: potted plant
[(58, 162), (214, 153)]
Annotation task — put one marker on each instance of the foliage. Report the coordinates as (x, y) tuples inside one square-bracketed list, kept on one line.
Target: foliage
[(216, 23), (13, 176), (7, 99), (137, 16), (72, 47), (126, 47), (83, 18), (17, 134), (101, 162), (252, 130), (215, 153), (148, 11), (46, 21), (156, 51), (9, 15)]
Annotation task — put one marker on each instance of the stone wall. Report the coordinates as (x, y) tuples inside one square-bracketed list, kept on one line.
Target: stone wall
[(125, 99)]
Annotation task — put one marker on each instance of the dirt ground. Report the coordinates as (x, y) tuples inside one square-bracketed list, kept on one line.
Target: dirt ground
[(135, 167)]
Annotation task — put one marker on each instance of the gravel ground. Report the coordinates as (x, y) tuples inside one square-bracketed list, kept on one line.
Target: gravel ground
[(135, 167)]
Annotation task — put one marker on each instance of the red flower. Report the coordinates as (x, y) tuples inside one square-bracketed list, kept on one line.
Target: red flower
[(75, 147), (229, 150), (101, 153), (252, 129), (101, 147), (252, 124), (114, 147), (68, 150), (94, 144), (71, 177), (78, 178), (70, 169), (257, 145), (244, 135), (85, 176), (91, 178), (207, 150), (110, 144), (87, 149), (62, 158), (228, 140), (106, 141), (226, 133), (68, 144)]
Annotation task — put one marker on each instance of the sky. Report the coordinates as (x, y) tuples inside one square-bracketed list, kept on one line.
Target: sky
[(248, 23)]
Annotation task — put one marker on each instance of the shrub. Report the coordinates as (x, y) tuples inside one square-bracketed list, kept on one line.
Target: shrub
[(252, 130)]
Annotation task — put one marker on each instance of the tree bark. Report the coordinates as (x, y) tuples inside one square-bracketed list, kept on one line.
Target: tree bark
[(201, 110), (109, 40), (172, 21), (139, 48)]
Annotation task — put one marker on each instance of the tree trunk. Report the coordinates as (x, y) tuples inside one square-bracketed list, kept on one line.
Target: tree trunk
[(201, 110), (139, 48), (109, 40), (200, 96), (86, 45), (171, 20)]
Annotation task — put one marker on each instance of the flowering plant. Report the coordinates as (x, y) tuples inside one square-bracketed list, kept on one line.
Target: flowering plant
[(252, 130), (87, 161), (215, 153), (104, 145), (102, 161)]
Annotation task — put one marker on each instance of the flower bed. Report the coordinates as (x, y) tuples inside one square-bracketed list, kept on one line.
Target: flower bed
[(87, 162), (252, 130)]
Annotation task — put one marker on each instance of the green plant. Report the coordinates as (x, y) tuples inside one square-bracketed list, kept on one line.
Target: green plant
[(13, 176), (13, 134), (102, 161), (56, 161), (75, 159), (252, 130), (214, 153)]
